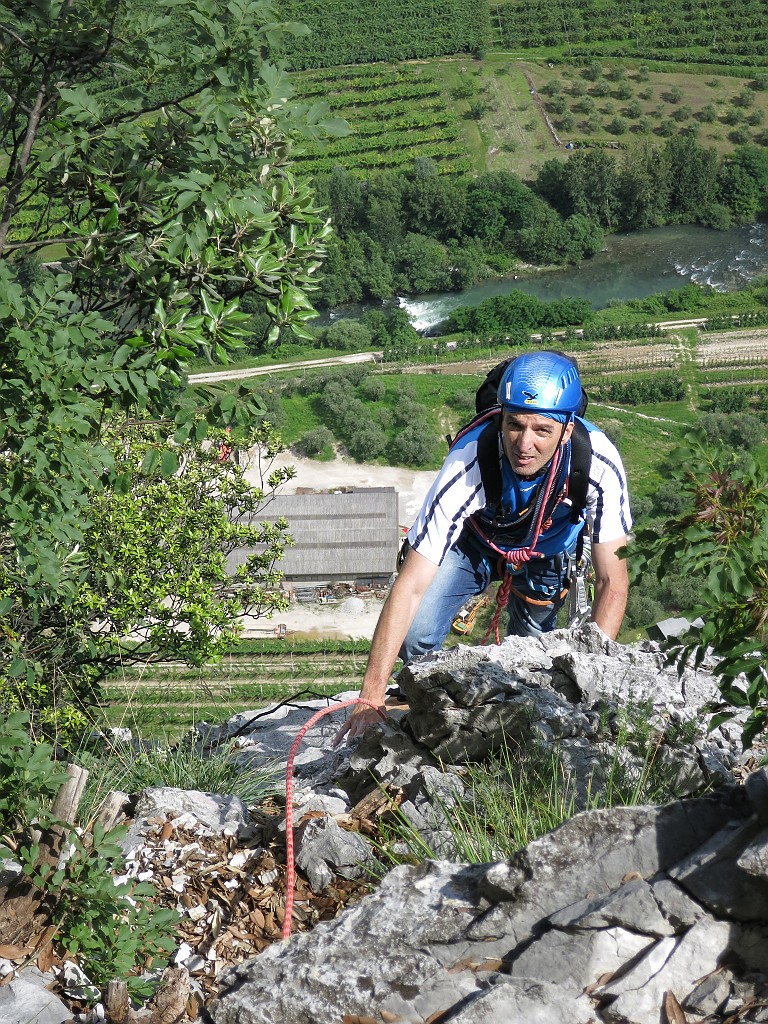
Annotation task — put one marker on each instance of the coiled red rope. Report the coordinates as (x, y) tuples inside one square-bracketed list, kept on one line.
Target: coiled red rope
[(290, 864)]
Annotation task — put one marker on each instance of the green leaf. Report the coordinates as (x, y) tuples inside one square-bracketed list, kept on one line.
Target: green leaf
[(151, 462), (169, 464)]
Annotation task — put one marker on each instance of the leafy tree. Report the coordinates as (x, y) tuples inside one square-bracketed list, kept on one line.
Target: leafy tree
[(414, 445), (342, 192), (389, 329), (432, 203), (692, 176), (725, 539), (616, 126), (384, 211), (315, 441), (159, 201), (152, 579), (643, 187), (422, 266), (349, 335), (708, 113), (496, 202), (739, 191), (593, 71), (753, 160), (592, 184), (740, 430), (367, 442)]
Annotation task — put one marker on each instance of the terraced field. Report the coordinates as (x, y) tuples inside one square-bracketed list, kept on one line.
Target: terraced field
[(166, 700), (397, 113)]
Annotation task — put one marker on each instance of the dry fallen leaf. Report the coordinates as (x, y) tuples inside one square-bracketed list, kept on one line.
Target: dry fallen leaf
[(483, 964), (673, 1011), (602, 980), (10, 952)]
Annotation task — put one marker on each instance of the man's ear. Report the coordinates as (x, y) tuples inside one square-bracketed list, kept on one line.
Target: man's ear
[(567, 432)]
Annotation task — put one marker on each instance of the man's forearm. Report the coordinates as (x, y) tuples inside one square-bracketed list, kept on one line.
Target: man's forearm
[(608, 607)]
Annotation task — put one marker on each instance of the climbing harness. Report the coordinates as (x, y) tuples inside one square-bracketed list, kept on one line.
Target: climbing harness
[(516, 557)]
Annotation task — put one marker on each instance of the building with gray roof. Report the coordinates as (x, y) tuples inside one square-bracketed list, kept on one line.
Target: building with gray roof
[(351, 535)]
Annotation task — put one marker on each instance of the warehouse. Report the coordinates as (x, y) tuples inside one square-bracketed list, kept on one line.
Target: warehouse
[(347, 536)]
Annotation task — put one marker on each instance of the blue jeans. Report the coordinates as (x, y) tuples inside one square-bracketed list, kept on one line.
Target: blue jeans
[(467, 570)]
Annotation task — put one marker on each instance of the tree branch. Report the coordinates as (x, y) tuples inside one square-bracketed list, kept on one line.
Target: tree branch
[(109, 122)]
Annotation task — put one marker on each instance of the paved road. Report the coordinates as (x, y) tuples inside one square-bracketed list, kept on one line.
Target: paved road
[(361, 357), (257, 371)]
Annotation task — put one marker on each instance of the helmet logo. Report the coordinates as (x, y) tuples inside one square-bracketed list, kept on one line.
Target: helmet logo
[(530, 397)]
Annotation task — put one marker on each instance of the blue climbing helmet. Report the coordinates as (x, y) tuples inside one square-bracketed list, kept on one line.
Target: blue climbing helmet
[(543, 382)]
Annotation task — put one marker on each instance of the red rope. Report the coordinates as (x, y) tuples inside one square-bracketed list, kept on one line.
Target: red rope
[(502, 596), (290, 866)]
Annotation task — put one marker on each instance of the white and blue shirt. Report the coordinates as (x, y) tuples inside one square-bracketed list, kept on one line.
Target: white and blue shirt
[(458, 491)]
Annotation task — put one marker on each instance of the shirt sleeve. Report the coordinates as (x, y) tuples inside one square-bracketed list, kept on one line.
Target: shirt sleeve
[(608, 508), (457, 491)]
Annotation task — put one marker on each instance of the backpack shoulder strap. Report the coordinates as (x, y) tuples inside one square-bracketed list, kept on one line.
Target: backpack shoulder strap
[(487, 450), (488, 459), (578, 478)]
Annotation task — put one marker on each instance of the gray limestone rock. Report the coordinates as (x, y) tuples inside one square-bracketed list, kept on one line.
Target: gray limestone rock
[(631, 906), (217, 813), (325, 849), (429, 805), (513, 1000), (638, 996), (756, 785), (26, 999), (442, 938), (710, 995), (576, 960), (375, 957), (715, 876), (624, 904), (388, 754), (676, 905)]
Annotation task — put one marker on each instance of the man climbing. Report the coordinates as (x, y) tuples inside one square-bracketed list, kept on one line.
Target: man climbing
[(509, 503)]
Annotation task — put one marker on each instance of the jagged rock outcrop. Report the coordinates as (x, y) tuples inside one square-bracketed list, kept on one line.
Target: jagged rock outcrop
[(629, 916), (611, 917)]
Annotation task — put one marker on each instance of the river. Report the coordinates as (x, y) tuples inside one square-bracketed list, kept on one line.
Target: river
[(633, 266)]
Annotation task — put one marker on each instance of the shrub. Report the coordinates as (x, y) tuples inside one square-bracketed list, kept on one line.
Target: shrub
[(349, 335), (315, 441), (725, 537), (111, 926)]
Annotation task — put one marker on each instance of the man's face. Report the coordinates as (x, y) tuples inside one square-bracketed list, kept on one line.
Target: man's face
[(530, 440)]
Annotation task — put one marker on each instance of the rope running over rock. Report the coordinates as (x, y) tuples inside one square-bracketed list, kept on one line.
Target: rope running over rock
[(290, 861)]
